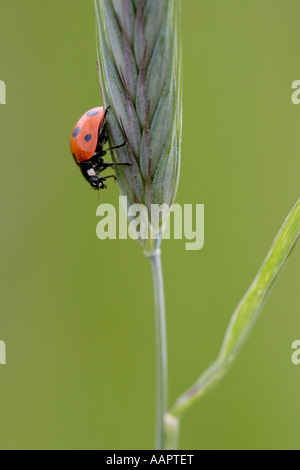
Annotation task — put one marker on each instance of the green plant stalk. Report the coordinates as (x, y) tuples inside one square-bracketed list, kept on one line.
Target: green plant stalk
[(161, 347), (242, 321), (139, 65)]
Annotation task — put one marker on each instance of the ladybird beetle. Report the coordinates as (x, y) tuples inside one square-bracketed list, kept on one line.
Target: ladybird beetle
[(87, 140)]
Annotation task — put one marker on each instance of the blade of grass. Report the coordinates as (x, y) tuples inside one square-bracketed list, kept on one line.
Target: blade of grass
[(245, 315)]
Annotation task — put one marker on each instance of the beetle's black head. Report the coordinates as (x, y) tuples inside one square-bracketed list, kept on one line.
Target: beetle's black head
[(97, 183)]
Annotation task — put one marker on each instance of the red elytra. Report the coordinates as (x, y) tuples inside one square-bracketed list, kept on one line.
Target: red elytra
[(84, 137)]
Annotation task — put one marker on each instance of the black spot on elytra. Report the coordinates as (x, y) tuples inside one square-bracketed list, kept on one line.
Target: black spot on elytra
[(92, 113), (76, 132), (88, 137)]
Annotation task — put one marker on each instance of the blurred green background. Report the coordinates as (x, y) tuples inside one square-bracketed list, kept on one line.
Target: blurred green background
[(76, 312)]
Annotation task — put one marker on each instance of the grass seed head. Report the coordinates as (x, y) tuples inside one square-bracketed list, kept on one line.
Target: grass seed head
[(139, 58)]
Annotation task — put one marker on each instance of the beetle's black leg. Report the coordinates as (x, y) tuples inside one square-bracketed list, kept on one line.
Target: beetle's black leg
[(116, 146), (108, 165), (110, 176), (102, 141), (101, 165)]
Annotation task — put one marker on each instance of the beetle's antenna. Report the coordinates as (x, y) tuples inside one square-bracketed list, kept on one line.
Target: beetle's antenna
[(99, 197)]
